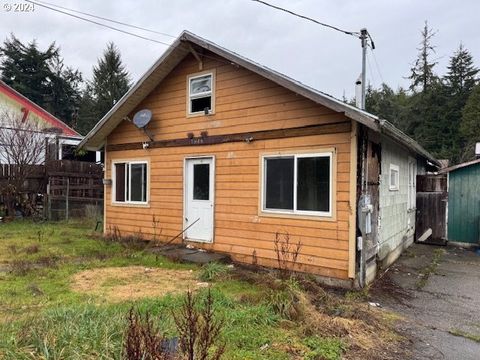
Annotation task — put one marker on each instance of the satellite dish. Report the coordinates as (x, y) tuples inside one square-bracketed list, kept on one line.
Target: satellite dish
[(142, 118)]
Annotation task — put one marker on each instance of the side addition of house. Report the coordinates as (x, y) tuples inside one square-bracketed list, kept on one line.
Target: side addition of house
[(235, 153)]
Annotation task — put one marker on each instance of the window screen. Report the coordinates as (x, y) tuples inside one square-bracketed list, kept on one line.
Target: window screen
[(279, 183), (313, 184), (201, 182)]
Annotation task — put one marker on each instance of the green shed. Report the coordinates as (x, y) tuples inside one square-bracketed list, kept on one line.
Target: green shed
[(463, 217)]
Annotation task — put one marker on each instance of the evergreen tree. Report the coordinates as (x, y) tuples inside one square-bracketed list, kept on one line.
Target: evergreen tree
[(64, 94), (26, 69), (41, 77), (461, 76), (110, 80), (422, 75), (388, 105), (470, 124), (87, 114)]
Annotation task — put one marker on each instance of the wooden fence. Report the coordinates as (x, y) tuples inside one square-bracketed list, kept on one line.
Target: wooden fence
[(74, 189), (68, 188)]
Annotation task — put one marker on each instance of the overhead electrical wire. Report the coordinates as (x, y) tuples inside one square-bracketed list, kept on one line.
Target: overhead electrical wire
[(378, 67), (106, 19), (114, 28), (352, 33), (98, 23)]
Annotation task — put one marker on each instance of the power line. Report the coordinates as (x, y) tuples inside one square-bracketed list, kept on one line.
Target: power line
[(352, 33), (378, 67), (371, 71), (107, 19), (97, 23)]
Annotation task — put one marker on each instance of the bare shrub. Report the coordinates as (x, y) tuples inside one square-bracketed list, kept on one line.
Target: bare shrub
[(22, 145), (143, 340), (198, 334), (287, 254), (156, 228), (134, 241), (198, 329)]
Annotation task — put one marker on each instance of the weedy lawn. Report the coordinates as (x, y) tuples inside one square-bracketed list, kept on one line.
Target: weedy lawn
[(65, 293)]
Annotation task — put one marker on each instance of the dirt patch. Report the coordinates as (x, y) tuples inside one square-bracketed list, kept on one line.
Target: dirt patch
[(133, 282)]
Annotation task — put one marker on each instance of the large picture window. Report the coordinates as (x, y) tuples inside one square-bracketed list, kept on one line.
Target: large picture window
[(200, 94), (130, 182), (298, 184)]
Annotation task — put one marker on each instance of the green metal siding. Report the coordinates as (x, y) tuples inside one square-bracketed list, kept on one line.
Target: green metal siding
[(464, 204)]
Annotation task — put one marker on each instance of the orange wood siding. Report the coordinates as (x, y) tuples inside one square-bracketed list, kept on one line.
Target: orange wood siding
[(244, 102)]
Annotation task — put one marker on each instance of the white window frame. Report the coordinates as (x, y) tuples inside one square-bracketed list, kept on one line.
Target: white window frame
[(396, 186), (295, 211), (201, 95), (128, 182)]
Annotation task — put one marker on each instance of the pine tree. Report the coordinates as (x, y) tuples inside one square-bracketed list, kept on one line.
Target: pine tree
[(110, 80), (422, 75)]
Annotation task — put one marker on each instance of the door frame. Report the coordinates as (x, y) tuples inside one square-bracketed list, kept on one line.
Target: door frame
[(185, 195)]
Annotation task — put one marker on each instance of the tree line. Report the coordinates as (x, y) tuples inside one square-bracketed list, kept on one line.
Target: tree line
[(441, 112), (43, 77)]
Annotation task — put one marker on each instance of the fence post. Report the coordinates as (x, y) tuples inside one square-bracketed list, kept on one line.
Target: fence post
[(49, 202), (66, 198)]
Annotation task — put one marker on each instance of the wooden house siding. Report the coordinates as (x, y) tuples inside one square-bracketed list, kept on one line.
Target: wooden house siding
[(244, 102)]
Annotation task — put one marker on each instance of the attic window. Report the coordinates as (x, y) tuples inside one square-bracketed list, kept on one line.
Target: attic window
[(200, 94)]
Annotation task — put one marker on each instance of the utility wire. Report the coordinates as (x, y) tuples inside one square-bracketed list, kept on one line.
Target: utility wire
[(97, 23), (107, 19), (378, 67), (352, 33), (371, 71)]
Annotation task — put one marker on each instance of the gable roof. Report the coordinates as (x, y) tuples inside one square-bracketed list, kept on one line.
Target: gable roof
[(37, 110), (183, 45)]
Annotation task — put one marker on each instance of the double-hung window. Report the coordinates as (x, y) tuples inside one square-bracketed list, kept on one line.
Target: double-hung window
[(130, 182), (298, 184), (200, 94)]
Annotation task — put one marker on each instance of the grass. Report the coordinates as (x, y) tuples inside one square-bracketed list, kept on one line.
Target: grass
[(430, 269), (41, 316), (466, 335)]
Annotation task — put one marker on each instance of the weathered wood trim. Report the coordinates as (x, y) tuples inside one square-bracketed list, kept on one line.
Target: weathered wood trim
[(338, 127), (352, 223)]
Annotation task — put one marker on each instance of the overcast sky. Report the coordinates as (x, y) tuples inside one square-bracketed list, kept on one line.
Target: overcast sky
[(320, 57)]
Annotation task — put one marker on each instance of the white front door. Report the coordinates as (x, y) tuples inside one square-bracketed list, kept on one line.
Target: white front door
[(199, 193)]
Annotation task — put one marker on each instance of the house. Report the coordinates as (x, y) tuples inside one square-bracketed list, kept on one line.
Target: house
[(62, 139), (463, 215), (236, 153)]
